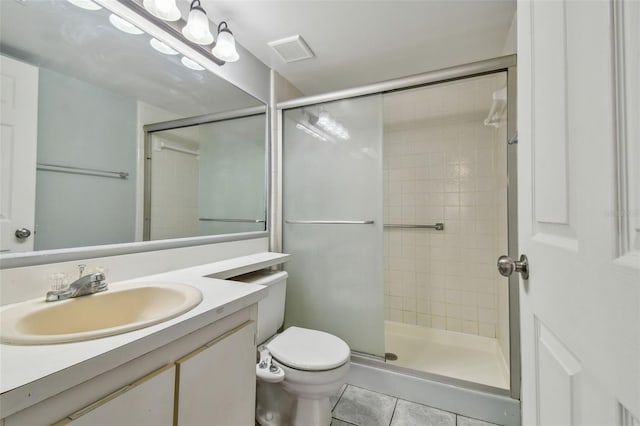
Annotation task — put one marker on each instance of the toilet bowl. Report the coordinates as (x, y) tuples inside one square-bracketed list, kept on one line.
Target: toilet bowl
[(299, 369)]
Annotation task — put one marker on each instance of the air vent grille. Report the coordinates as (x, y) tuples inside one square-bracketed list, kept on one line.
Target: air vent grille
[(292, 49)]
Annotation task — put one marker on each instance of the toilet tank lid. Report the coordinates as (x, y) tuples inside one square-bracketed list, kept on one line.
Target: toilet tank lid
[(261, 277), (309, 350)]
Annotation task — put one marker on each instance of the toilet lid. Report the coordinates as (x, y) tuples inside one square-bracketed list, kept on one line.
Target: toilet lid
[(310, 350)]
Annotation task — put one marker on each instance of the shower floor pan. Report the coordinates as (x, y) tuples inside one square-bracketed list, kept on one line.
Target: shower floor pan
[(458, 355)]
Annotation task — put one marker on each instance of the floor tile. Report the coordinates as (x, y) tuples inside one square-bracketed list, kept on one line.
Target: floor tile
[(410, 414), (466, 421), (364, 408), (334, 399)]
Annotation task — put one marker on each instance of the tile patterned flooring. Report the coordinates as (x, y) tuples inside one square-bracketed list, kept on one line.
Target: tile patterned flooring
[(362, 407)]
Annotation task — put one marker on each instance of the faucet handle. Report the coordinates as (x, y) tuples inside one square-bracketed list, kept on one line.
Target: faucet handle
[(58, 281), (81, 267)]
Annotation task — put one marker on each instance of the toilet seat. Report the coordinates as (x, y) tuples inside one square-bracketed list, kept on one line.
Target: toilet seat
[(309, 350)]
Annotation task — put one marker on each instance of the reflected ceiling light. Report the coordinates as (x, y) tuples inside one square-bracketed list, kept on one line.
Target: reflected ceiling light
[(124, 25), (310, 132), (330, 125), (197, 28), (161, 47), (85, 4), (190, 63), (163, 9), (225, 47)]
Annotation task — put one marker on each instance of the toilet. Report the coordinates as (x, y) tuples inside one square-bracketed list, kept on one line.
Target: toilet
[(298, 369)]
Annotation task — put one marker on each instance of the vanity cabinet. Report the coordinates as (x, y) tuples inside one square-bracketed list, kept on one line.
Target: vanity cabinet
[(216, 384), (147, 401), (204, 377)]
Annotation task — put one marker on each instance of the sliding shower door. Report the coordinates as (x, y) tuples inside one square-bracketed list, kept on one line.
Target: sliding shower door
[(332, 211)]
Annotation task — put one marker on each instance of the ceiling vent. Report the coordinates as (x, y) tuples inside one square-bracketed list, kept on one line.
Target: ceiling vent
[(292, 49)]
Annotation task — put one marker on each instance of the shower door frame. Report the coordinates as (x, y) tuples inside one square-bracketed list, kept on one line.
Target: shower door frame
[(506, 64)]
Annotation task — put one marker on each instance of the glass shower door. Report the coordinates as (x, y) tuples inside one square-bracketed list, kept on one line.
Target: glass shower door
[(332, 211)]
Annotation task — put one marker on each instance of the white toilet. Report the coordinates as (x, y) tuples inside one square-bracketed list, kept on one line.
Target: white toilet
[(299, 369)]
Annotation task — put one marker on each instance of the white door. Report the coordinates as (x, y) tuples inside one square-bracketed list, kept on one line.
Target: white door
[(578, 186), (18, 138)]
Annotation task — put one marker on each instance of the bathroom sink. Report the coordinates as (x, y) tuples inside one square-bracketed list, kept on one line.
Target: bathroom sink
[(122, 308)]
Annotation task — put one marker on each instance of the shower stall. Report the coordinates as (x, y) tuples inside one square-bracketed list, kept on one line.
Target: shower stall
[(397, 200)]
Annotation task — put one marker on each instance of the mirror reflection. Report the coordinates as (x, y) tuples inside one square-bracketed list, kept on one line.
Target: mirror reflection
[(207, 179), (76, 94)]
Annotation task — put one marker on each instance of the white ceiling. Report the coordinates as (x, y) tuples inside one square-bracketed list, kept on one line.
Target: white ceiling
[(358, 42)]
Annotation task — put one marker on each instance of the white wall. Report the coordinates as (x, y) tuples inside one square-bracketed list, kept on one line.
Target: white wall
[(83, 125), (511, 41), (441, 164), (281, 90), (18, 284)]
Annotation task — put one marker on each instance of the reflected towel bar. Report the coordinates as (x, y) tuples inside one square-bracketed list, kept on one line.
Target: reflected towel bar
[(208, 219), (81, 171), (330, 222), (159, 146), (438, 226)]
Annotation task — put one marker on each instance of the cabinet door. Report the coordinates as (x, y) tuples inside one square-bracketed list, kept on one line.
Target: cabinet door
[(216, 384), (147, 401)]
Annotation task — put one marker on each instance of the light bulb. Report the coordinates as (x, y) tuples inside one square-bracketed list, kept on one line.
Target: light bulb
[(162, 47), (85, 4), (123, 25), (323, 118), (197, 28), (225, 47), (163, 9), (190, 63)]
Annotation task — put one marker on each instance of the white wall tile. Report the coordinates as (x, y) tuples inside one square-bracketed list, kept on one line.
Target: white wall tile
[(446, 168)]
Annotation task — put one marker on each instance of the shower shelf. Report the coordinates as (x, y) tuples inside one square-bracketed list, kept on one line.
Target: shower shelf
[(438, 226)]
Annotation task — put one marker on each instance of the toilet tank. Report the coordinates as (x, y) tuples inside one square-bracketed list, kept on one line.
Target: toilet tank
[(271, 308)]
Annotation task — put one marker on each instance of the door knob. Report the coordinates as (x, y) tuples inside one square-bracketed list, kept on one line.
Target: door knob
[(22, 233), (506, 266)]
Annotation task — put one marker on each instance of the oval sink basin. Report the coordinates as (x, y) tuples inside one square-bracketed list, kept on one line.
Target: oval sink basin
[(120, 309)]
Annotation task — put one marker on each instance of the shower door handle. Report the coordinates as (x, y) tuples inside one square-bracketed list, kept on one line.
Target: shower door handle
[(506, 266)]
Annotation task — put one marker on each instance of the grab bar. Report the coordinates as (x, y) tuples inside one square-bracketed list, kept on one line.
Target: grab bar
[(330, 222), (81, 170), (438, 226), (208, 219)]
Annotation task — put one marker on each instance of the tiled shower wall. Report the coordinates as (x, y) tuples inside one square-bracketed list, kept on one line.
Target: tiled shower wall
[(175, 186), (442, 164)]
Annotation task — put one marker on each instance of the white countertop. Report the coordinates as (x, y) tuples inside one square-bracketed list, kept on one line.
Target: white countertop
[(36, 372)]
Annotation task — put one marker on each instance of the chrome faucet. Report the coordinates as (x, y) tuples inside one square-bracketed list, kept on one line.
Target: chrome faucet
[(83, 286)]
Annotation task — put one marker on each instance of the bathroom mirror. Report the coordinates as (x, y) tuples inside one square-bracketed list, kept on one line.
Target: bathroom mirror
[(97, 87), (206, 176)]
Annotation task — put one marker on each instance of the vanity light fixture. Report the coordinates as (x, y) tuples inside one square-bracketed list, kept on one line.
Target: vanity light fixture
[(197, 28), (163, 9), (190, 63), (124, 25), (162, 47), (85, 4), (225, 47)]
